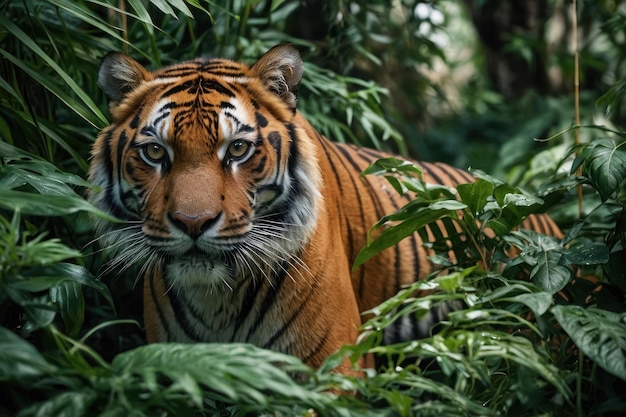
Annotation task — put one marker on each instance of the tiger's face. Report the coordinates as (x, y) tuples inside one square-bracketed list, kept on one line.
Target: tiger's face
[(204, 165)]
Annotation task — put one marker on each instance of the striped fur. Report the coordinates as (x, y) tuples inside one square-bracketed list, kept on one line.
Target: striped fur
[(243, 219)]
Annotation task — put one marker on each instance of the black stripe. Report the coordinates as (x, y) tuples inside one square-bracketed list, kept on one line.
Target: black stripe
[(291, 319), (216, 86), (294, 154), (371, 153), (276, 141), (428, 168), (121, 144), (162, 316), (379, 210), (271, 295), (249, 299), (334, 147), (318, 347), (260, 119), (181, 317), (186, 86), (182, 68), (454, 174)]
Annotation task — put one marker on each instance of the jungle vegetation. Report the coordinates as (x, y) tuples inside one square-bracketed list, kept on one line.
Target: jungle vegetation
[(527, 94)]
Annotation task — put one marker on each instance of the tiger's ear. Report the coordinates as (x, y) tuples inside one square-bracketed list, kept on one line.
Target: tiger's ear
[(119, 74), (280, 69)]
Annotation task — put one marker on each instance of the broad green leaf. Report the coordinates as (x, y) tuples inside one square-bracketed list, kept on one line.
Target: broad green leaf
[(394, 234), (68, 295), (391, 165), (38, 175), (538, 302), (587, 253), (604, 163), (242, 373), (521, 200), (501, 191), (453, 281), (521, 292), (73, 273), (25, 165), (48, 205), (573, 231), (600, 334), (19, 359), (549, 272), (451, 205), (74, 403), (475, 194), (34, 284), (39, 311)]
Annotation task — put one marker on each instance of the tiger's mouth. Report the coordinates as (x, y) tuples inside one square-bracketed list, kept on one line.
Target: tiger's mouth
[(195, 254), (200, 268)]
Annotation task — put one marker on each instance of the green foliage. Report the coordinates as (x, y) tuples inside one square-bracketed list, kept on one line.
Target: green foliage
[(550, 345), (600, 334), (533, 354), (35, 279), (603, 163), (164, 379)]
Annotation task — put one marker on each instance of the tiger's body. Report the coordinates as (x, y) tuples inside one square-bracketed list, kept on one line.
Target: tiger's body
[(246, 220)]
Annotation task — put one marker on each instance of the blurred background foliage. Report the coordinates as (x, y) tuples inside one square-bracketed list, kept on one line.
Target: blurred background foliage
[(468, 82)]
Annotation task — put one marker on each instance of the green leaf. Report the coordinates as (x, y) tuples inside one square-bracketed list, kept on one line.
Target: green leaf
[(91, 113), (600, 334), (242, 373), (391, 166), (587, 253), (72, 273), (396, 233), (550, 273), (177, 4), (605, 165), (475, 194), (41, 175), (521, 200), (48, 205), (538, 302), (143, 14), (453, 281), (450, 205), (69, 297), (66, 404), (19, 360)]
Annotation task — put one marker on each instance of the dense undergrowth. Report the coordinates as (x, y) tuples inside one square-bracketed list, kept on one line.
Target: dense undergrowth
[(70, 340)]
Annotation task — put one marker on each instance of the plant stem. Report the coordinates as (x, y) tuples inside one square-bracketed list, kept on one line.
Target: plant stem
[(579, 188)]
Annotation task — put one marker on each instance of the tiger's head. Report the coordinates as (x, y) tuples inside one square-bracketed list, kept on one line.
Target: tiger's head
[(206, 166)]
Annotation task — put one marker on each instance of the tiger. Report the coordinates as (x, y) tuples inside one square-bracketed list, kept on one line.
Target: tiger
[(242, 220)]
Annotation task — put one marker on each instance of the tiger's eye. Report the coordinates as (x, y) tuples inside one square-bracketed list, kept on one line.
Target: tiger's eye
[(238, 149), (154, 152)]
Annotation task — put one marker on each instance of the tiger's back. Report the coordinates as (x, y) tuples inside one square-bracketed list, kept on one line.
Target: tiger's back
[(244, 221)]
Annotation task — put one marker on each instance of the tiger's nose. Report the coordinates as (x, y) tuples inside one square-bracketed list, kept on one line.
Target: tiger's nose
[(194, 226)]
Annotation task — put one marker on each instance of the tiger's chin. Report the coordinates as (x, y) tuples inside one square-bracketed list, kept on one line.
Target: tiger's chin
[(198, 271)]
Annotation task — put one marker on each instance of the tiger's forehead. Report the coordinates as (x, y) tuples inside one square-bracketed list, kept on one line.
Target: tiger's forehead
[(227, 70), (193, 129), (200, 93), (200, 104)]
